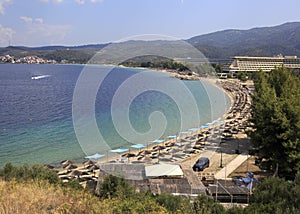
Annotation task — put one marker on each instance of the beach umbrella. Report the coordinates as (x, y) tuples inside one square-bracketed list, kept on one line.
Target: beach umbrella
[(76, 173), (187, 140), (70, 166), (49, 166), (218, 121), (172, 136), (93, 167), (204, 127), (120, 150), (138, 146), (146, 152), (158, 141), (158, 148), (128, 155), (170, 144), (194, 129), (89, 162), (185, 132), (66, 162), (95, 156)]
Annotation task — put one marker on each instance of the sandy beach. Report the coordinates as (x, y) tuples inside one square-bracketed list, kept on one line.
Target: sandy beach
[(221, 141)]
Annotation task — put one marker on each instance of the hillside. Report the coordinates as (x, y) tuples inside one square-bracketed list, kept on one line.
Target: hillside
[(263, 41)]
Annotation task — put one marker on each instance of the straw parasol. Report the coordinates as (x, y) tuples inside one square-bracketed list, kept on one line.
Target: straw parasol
[(66, 162), (70, 166)]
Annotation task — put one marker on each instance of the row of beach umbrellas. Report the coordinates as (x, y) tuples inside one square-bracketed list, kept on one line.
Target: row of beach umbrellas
[(158, 141)]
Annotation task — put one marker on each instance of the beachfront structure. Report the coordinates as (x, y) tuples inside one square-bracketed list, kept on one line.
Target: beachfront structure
[(253, 64)]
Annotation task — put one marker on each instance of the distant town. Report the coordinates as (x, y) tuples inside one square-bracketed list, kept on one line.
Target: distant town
[(25, 60)]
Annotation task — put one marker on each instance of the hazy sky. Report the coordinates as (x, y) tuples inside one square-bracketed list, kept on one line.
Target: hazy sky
[(75, 22)]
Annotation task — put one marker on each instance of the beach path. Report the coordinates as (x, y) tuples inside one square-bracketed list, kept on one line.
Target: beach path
[(231, 166)]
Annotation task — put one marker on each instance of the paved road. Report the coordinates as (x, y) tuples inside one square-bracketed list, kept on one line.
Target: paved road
[(230, 167)]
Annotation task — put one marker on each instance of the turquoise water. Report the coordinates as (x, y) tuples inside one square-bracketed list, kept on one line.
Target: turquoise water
[(36, 117)]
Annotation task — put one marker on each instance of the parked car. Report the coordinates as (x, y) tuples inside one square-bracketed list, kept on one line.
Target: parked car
[(201, 164)]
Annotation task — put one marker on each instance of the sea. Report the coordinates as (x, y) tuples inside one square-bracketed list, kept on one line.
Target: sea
[(49, 113)]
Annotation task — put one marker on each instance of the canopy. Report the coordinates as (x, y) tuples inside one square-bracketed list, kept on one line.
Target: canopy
[(185, 132), (194, 129), (95, 156), (171, 136), (138, 146), (163, 170), (158, 141), (121, 150), (204, 126), (218, 121)]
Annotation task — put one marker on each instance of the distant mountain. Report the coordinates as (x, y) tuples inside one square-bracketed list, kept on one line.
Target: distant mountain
[(264, 41)]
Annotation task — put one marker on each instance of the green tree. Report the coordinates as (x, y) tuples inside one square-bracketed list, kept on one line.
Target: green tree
[(115, 187), (242, 75), (174, 204), (26, 172), (275, 195), (276, 118), (205, 205)]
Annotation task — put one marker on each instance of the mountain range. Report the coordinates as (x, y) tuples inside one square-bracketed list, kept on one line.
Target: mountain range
[(262, 41)]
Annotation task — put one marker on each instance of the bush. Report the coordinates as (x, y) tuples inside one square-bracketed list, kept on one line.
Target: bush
[(113, 186), (205, 204), (173, 203), (25, 172)]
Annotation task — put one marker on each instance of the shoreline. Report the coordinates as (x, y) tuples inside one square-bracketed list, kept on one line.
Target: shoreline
[(155, 155), (190, 136)]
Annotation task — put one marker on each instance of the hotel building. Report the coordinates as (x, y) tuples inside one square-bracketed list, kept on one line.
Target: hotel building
[(253, 64)]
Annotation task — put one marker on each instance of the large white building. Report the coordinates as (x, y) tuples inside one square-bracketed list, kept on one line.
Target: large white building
[(252, 64)]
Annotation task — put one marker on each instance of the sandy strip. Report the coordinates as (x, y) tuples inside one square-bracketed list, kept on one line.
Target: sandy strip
[(187, 160)]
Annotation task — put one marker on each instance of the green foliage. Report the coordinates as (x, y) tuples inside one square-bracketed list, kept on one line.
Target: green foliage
[(155, 62), (70, 56), (73, 184), (275, 195), (25, 172), (206, 205), (115, 187), (235, 210), (276, 118), (174, 204), (140, 204), (242, 75), (218, 68)]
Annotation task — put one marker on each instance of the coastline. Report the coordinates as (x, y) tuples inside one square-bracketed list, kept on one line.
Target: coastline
[(189, 145), (163, 152)]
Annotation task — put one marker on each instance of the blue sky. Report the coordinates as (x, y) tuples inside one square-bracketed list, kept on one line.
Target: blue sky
[(76, 22)]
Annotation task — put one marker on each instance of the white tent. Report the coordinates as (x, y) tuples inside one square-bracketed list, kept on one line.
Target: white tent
[(163, 170)]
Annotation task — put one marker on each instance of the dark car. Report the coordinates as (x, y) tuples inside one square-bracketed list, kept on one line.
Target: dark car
[(201, 164)]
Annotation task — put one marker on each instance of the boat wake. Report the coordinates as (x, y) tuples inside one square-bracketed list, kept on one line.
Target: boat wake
[(39, 77)]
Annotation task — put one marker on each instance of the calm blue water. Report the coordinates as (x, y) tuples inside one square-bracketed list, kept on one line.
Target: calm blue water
[(36, 114)]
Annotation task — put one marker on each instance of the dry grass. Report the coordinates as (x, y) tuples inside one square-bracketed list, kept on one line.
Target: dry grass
[(37, 197), (251, 167), (41, 197)]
